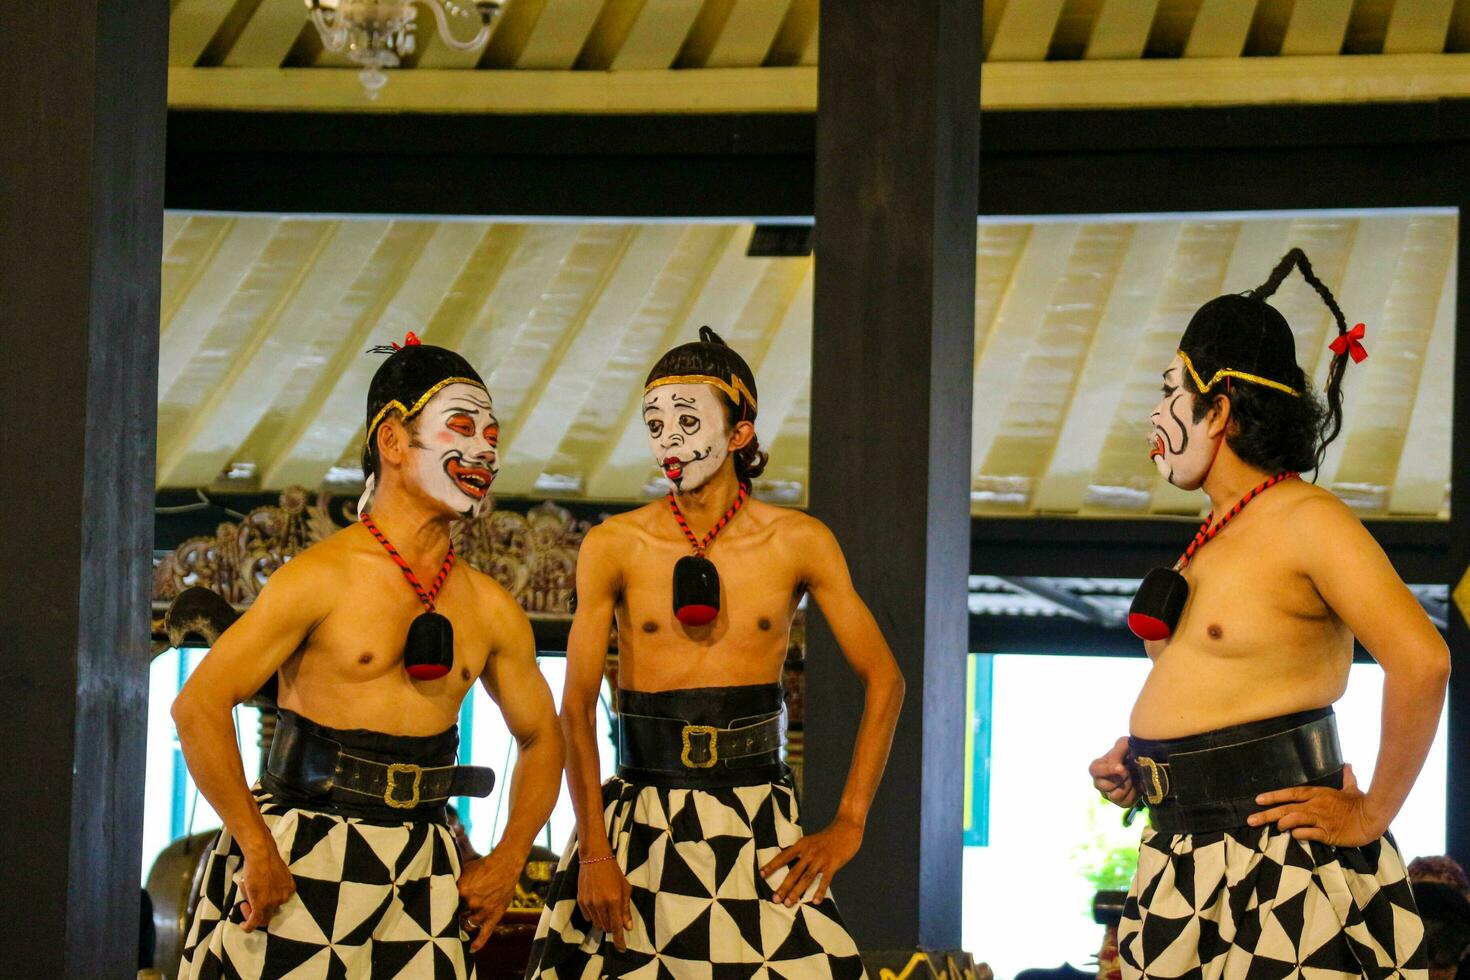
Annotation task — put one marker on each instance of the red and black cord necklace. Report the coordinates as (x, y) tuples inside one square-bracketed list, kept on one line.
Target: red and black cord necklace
[(1160, 599), (1209, 528), (696, 581), (428, 653)]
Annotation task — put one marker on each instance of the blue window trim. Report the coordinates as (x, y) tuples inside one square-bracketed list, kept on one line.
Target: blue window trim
[(466, 740), (181, 772), (979, 677)]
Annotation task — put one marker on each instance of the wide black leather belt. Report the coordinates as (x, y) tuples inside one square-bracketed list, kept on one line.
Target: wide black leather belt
[(1209, 782), (695, 754), (307, 763)]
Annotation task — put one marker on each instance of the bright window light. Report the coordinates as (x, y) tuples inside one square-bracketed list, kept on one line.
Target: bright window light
[(1053, 842)]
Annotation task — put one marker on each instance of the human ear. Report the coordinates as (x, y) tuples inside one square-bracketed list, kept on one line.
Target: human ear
[(392, 441), (741, 436), (1219, 417)]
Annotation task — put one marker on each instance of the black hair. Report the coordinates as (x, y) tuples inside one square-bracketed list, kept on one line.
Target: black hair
[(1270, 429), (711, 356)]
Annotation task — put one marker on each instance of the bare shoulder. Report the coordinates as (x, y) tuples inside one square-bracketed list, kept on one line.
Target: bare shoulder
[(320, 565), (1314, 511), (494, 597), (803, 537), (620, 531), (794, 525)]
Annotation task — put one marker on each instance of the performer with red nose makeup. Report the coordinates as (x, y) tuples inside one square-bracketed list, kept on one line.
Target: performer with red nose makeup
[(1264, 857), (692, 858)]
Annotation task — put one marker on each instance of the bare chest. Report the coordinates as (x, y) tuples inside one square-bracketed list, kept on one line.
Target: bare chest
[(746, 642), (1247, 596), (362, 638)]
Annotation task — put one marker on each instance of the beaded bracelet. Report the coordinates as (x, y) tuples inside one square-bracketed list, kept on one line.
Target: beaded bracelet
[(586, 861)]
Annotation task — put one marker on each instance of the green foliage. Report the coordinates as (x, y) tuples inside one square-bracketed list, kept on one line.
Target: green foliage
[(1108, 857)]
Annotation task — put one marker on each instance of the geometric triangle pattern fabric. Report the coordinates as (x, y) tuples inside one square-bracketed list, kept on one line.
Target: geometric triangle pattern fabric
[(1258, 904), (700, 909), (373, 901)]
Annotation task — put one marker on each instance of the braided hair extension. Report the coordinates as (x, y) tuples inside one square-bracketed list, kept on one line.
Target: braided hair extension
[(1331, 424)]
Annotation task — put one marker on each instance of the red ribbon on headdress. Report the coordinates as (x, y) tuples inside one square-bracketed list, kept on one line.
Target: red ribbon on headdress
[(409, 340), (1352, 343)]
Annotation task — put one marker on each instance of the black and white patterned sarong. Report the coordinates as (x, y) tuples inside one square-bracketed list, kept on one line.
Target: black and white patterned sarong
[(1256, 903), (700, 908), (373, 901)]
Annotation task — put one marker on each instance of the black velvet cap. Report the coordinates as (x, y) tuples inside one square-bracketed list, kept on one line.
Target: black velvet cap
[(412, 374), (710, 361), (1240, 337)]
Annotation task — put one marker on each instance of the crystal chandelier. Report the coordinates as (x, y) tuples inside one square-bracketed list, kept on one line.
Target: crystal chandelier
[(377, 33)]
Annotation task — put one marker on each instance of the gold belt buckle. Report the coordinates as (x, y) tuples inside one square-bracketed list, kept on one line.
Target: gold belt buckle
[(714, 751), (393, 770), (1158, 777)]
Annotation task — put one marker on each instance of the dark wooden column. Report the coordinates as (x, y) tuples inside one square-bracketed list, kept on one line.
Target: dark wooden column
[(898, 125), (82, 113), (1457, 833)]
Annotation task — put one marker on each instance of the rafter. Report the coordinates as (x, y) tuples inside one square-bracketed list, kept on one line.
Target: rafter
[(301, 326), (576, 358)]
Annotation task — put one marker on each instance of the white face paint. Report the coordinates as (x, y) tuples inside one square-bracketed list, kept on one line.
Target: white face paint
[(1179, 446), (453, 452), (689, 432)]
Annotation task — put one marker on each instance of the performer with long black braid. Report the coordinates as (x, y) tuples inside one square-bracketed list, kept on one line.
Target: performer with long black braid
[(1264, 857), (692, 858)]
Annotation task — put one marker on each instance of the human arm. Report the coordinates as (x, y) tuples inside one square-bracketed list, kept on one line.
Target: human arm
[(243, 658), (1358, 583), (603, 893), (824, 570), (515, 683)]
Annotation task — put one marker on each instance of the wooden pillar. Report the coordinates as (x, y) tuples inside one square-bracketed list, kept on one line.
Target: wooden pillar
[(1457, 833), (82, 111), (897, 178)]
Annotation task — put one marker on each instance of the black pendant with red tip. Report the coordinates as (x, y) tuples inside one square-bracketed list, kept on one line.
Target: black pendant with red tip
[(696, 591), (428, 651), (1159, 602), (696, 580)]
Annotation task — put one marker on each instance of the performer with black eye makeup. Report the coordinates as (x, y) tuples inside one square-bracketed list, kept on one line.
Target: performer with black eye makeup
[(1264, 857), (692, 859), (340, 862)]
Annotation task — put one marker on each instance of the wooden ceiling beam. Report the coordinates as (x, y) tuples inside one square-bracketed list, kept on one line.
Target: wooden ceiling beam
[(748, 33), (299, 327), (1121, 29), (1220, 29), (267, 37), (559, 35), (1419, 485), (1024, 32), (579, 353), (1317, 28), (1144, 83), (657, 34), (1419, 26), (192, 24)]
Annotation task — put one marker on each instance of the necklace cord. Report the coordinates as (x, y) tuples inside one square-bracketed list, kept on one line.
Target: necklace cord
[(1209, 528), (427, 597), (700, 547)]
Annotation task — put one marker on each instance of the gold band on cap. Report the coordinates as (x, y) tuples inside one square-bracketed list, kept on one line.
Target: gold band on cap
[(1230, 373), (418, 406), (734, 388)]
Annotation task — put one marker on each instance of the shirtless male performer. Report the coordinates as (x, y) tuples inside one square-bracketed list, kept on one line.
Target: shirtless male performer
[(692, 858), (340, 862), (1264, 858)]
